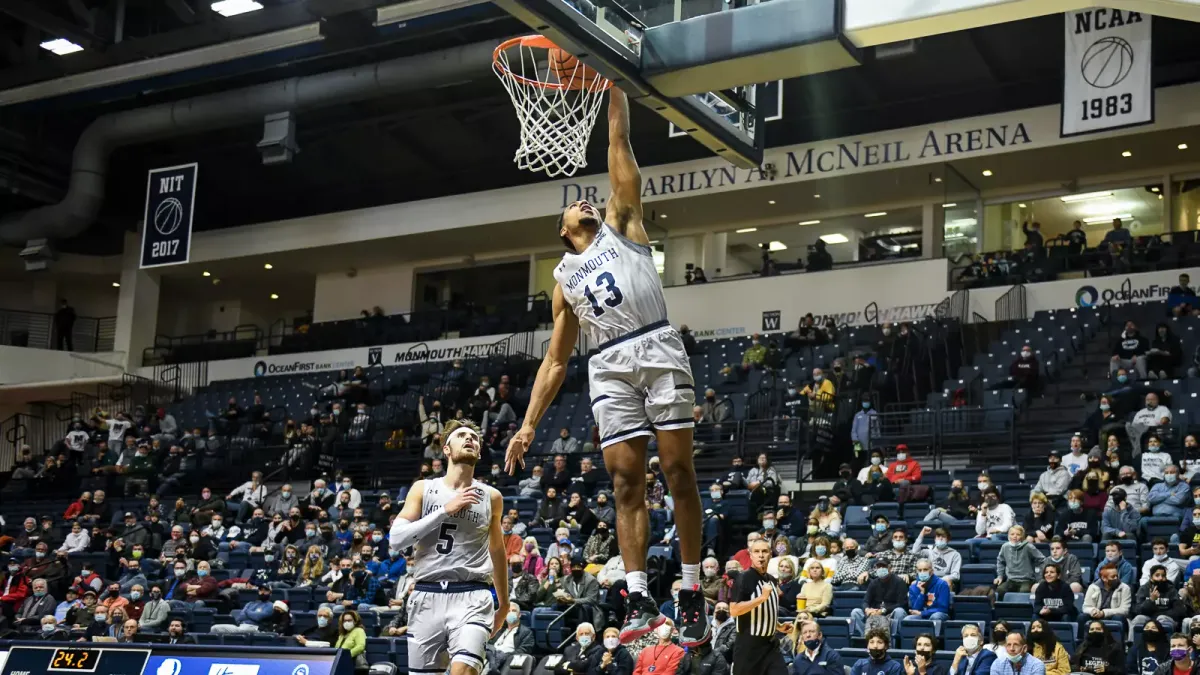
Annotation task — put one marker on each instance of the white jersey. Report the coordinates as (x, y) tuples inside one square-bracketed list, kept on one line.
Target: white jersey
[(458, 549), (612, 287)]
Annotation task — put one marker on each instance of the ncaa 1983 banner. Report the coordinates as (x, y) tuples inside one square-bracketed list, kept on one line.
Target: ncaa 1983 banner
[(170, 203), (1107, 81)]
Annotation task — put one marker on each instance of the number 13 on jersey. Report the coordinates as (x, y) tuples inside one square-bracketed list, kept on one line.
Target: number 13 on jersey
[(604, 283)]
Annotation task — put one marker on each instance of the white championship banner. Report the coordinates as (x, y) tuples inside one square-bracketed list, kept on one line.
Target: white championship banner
[(1107, 79)]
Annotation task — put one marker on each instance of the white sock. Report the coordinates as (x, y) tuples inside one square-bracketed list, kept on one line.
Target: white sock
[(691, 575), (636, 581)]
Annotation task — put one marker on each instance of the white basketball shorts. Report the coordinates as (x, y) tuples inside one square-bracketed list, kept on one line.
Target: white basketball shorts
[(450, 621), (641, 382)]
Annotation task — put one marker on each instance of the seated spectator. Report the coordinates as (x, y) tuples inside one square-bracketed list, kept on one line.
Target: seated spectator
[(853, 570), (971, 658), (921, 662), (946, 562), (1121, 520), (1169, 497), (351, 635), (1077, 458), (955, 508), (829, 520), (36, 605), (1155, 461), (513, 638), (1069, 570), (1054, 480), (1017, 563), (763, 482), (994, 519), (1160, 600), (885, 605), (564, 444), (755, 354), (815, 597), (1053, 599), (929, 596), (551, 511), (1015, 658), (878, 662), (1130, 351), (50, 631), (1165, 353), (814, 656), (902, 558), (1151, 652), (1076, 524), (1025, 372), (904, 471), (1101, 655), (1039, 521), (1149, 417), (1047, 648)]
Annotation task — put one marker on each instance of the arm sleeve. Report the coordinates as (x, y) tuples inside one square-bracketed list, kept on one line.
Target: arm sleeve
[(405, 533)]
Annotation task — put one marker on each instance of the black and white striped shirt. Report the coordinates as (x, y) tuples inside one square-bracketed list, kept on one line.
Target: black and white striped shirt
[(762, 620)]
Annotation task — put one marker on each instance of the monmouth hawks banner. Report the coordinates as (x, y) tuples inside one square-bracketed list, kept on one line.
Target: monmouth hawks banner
[(1107, 79), (170, 203)]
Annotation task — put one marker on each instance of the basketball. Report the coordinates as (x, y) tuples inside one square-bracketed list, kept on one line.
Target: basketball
[(1107, 62), (569, 71), (168, 216)]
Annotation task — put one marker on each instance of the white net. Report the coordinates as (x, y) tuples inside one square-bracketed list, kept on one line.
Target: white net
[(557, 112)]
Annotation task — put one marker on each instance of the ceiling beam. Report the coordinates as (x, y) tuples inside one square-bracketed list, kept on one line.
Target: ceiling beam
[(82, 13), (182, 10), (31, 15)]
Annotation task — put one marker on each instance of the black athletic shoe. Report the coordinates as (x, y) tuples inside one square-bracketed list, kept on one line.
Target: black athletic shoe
[(641, 617), (694, 629)]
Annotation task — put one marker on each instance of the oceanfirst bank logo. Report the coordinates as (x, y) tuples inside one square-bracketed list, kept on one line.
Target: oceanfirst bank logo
[(1086, 296), (262, 368), (1090, 296)]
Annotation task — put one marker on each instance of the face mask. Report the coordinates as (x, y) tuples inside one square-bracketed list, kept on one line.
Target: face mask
[(155, 595), (179, 571), (716, 495), (194, 540), (564, 540), (1015, 659), (348, 625), (881, 527), (877, 654), (901, 456), (310, 533), (898, 545), (1171, 478), (812, 529), (820, 550), (791, 391), (13, 569), (1179, 654), (982, 486), (39, 554), (135, 595), (812, 645), (1160, 557), (1025, 354), (663, 632), (322, 621), (285, 493), (1073, 505), (48, 628), (721, 615), (584, 641), (866, 405), (611, 643), (201, 573), (876, 461), (971, 642), (1095, 639), (101, 618), (768, 524), (851, 553), (881, 572), (39, 594), (923, 576), (940, 543)]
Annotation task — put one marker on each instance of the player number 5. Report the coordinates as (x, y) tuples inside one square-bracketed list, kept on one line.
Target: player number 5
[(446, 538)]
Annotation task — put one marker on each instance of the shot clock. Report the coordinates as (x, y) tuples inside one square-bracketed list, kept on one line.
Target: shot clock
[(74, 660)]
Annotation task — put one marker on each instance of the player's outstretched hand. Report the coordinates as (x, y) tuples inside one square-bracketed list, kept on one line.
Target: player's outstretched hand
[(517, 447), (500, 618), (463, 500)]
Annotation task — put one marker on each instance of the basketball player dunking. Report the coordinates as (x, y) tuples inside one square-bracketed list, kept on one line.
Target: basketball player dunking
[(641, 381), (453, 525)]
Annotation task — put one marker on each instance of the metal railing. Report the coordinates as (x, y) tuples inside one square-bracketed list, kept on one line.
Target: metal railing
[(182, 379), (1012, 305), (37, 330)]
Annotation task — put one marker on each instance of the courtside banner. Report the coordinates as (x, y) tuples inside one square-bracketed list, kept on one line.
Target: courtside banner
[(1107, 76), (170, 203)]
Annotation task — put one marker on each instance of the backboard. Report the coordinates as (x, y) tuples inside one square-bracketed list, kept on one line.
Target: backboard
[(608, 35)]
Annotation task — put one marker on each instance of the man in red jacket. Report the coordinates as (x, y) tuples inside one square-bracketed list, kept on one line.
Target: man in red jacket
[(14, 588), (905, 470), (663, 656)]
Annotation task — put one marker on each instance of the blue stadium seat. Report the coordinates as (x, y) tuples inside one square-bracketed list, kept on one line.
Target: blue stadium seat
[(978, 575), (844, 601), (836, 631), (972, 607)]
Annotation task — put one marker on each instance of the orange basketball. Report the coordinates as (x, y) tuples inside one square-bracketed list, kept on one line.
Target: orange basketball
[(569, 71)]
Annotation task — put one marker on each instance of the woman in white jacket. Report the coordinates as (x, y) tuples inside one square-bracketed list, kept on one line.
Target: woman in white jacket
[(77, 541)]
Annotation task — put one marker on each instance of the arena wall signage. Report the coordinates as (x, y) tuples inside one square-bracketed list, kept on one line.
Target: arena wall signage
[(170, 205), (1087, 292), (1107, 71)]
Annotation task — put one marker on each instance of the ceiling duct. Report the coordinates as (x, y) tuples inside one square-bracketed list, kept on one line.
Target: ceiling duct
[(89, 166)]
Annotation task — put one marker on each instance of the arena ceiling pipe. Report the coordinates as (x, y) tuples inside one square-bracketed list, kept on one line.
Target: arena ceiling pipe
[(89, 167)]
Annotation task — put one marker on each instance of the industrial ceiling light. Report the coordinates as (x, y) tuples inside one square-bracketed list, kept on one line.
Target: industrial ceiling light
[(206, 273), (1106, 218), (267, 266), (834, 238), (950, 205), (876, 214), (1085, 196), (777, 246), (274, 296), (1127, 154), (744, 230), (987, 172), (770, 201), (116, 284), (235, 7), (1182, 146), (810, 222), (61, 46)]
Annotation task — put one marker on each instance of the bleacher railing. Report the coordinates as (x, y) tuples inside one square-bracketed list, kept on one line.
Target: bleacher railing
[(984, 434), (36, 329), (1012, 305)]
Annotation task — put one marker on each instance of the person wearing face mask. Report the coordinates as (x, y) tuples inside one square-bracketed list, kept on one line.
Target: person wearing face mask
[(886, 602), (1055, 480), (878, 661), (1023, 373), (1168, 498), (201, 514), (1099, 653), (901, 558), (971, 658), (600, 546), (1044, 646), (578, 587), (1165, 353), (352, 637), (154, 612), (904, 470), (324, 634), (846, 489), (1153, 650), (993, 518), (946, 562), (1075, 523), (513, 638), (921, 662), (1120, 519), (875, 461), (613, 659), (813, 655), (579, 653), (881, 538), (662, 655), (928, 596), (1014, 658), (1017, 563), (38, 604), (50, 631), (829, 521), (251, 616), (1129, 352), (1159, 599), (1154, 461), (1182, 661), (865, 424)]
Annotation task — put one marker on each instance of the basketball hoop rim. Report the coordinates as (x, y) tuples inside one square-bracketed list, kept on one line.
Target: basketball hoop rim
[(536, 42)]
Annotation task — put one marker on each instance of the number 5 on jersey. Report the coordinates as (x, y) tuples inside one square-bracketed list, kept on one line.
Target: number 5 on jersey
[(446, 538), (604, 282)]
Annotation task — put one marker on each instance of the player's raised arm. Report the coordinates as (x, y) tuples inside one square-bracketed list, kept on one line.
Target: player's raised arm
[(549, 379), (624, 210), (496, 551)]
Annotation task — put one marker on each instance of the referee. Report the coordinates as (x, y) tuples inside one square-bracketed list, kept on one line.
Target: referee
[(756, 606)]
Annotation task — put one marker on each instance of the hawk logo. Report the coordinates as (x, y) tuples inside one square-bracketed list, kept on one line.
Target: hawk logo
[(375, 357)]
